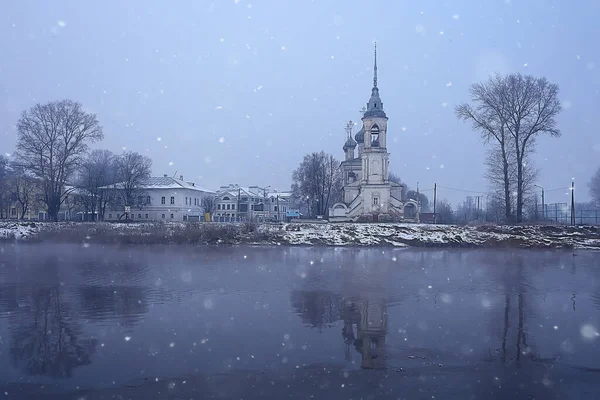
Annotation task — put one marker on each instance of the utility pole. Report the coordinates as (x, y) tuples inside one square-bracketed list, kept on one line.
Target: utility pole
[(434, 202), (543, 204), (572, 202)]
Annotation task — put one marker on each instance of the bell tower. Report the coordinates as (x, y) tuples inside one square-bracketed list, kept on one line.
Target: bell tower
[(375, 158)]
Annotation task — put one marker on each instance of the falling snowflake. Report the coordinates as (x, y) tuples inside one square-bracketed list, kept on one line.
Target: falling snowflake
[(525, 65), (170, 163), (449, 84), (283, 48), (158, 139), (61, 23), (589, 332), (222, 40), (221, 139), (456, 17), (441, 32), (127, 338), (444, 104), (218, 107)]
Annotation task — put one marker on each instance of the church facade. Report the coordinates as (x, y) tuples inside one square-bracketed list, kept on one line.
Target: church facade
[(368, 195)]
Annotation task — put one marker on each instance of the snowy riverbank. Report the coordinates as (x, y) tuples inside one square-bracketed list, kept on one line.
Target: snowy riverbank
[(398, 235)]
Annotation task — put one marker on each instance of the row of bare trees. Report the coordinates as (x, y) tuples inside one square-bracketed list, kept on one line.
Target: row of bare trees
[(52, 163), (511, 112), (107, 180), (317, 182)]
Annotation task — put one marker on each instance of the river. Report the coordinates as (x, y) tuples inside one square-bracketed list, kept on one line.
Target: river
[(278, 322)]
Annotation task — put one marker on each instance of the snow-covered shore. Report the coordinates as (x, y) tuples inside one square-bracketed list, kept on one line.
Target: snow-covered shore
[(313, 234)]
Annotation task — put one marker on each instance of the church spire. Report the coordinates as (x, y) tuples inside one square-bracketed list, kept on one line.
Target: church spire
[(374, 106), (375, 68)]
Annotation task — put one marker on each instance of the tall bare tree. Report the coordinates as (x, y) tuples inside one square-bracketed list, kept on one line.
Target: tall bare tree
[(487, 116), (132, 170), (23, 189), (594, 186), (96, 173), (52, 139), (513, 111), (318, 178)]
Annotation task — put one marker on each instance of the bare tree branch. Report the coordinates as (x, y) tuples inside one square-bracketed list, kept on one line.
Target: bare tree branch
[(52, 140)]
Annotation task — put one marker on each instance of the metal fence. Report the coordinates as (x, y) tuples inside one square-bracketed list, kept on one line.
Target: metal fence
[(561, 213)]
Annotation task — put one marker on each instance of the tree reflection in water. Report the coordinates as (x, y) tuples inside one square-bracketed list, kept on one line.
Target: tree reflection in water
[(45, 336)]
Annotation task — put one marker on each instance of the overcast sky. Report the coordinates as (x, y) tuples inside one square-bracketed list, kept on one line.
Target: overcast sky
[(237, 91)]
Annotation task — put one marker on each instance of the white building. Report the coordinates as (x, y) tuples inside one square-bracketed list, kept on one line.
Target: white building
[(166, 199), (368, 193), (238, 203)]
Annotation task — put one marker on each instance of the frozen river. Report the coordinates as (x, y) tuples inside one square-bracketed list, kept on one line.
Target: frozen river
[(275, 322)]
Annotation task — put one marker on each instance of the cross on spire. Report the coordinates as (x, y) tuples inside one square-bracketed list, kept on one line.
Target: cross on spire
[(349, 126), (375, 68)]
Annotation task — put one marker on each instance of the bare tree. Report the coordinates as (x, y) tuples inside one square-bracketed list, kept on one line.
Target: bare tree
[(594, 186), (487, 116), (318, 179), (52, 139), (208, 204), (96, 173), (532, 105), (513, 111), (392, 177), (444, 211), (4, 191), (23, 189), (132, 170)]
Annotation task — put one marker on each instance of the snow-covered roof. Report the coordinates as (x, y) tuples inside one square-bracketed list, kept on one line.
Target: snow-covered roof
[(166, 182)]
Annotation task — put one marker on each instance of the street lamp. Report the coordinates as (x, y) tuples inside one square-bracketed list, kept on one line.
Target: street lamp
[(543, 204)]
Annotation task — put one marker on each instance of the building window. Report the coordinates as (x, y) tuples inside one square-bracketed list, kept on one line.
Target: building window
[(171, 216), (218, 206), (172, 200), (275, 208), (13, 211), (109, 216), (375, 201), (139, 215), (226, 198), (148, 199), (162, 200), (186, 201), (229, 206), (140, 200), (163, 216), (244, 199), (146, 216), (233, 206)]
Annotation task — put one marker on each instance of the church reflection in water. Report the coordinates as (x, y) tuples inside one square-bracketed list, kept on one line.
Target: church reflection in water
[(364, 321), (365, 328)]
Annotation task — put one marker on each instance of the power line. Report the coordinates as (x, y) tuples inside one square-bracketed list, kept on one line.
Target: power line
[(462, 190), (555, 190)]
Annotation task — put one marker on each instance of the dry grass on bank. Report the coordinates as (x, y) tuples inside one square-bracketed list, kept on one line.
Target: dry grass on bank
[(157, 233)]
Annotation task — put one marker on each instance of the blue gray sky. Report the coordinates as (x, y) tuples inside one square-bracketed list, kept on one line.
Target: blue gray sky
[(237, 91)]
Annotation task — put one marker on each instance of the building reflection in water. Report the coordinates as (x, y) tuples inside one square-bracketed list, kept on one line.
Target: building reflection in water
[(365, 329)]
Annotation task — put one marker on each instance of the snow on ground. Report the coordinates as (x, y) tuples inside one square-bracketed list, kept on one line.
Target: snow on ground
[(346, 234)]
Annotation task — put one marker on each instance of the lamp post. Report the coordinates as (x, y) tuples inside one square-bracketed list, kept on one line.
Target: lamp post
[(543, 204)]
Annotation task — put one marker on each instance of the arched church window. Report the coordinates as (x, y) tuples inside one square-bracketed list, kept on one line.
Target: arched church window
[(375, 136)]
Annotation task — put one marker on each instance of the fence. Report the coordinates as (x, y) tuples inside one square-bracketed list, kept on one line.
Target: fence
[(561, 213)]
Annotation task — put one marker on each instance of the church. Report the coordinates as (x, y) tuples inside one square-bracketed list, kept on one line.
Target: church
[(368, 195)]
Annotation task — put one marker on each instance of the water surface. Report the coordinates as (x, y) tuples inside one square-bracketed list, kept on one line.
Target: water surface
[(260, 322)]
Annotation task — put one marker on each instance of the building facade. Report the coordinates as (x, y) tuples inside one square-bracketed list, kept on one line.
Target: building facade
[(239, 203), (368, 195), (165, 199)]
